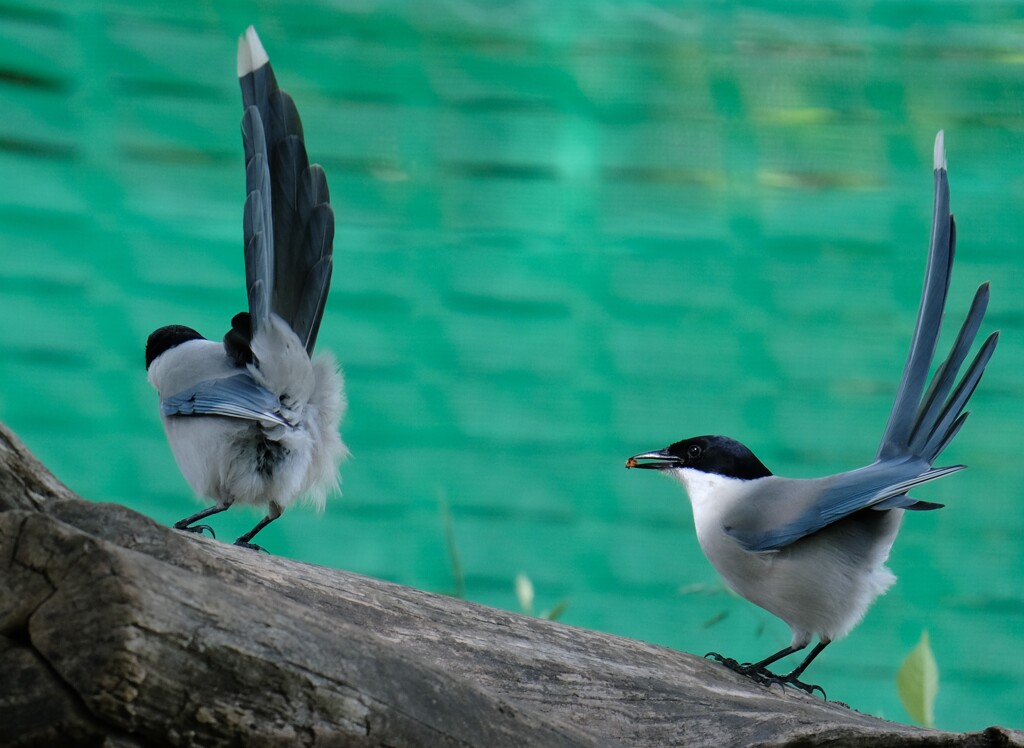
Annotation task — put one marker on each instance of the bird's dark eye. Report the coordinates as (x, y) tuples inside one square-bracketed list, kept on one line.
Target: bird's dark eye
[(693, 451)]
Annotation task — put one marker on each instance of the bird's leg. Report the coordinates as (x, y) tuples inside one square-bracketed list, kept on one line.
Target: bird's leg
[(273, 513), (209, 511), (793, 678), (762, 667)]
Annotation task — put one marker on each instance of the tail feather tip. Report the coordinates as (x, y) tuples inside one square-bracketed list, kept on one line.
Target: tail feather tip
[(939, 154), (251, 54)]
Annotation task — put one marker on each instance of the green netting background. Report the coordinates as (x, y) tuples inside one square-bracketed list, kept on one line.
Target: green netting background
[(568, 232)]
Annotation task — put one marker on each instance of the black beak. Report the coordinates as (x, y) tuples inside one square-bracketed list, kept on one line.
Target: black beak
[(659, 460)]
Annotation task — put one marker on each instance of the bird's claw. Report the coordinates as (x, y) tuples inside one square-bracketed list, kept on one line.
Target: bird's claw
[(743, 668), (729, 662), (767, 678), (196, 529), (251, 546), (809, 688), (784, 680)]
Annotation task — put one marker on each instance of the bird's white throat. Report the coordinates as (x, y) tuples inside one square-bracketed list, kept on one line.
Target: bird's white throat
[(711, 495), (706, 489)]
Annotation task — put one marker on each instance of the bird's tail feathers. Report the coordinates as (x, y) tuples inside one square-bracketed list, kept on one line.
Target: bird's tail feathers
[(289, 222), (896, 494), (923, 422)]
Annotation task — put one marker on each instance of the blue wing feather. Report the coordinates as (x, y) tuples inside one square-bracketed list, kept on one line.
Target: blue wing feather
[(881, 485), (237, 396)]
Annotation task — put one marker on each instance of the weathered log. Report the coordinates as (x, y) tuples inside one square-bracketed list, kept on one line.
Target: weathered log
[(117, 631)]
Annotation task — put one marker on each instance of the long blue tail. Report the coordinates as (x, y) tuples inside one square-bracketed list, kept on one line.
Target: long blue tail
[(922, 423)]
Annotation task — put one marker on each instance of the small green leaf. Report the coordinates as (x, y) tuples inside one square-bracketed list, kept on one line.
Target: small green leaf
[(556, 610), (917, 681), (524, 592), (453, 551)]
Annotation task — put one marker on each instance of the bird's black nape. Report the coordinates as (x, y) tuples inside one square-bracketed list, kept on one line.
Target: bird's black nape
[(166, 338)]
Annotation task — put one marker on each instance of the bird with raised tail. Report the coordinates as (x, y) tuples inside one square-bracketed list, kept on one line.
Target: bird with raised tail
[(254, 418), (813, 551)]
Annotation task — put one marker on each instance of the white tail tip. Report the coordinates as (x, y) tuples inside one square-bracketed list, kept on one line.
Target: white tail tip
[(251, 54), (940, 151)]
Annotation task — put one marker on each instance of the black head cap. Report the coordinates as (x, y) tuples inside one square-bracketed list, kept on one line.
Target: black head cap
[(709, 454), (166, 338)]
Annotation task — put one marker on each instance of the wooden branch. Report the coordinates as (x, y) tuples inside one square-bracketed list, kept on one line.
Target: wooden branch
[(116, 630)]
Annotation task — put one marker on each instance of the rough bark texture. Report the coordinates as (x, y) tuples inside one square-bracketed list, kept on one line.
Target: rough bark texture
[(117, 631)]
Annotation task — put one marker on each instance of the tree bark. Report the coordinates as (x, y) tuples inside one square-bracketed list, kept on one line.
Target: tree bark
[(117, 631)]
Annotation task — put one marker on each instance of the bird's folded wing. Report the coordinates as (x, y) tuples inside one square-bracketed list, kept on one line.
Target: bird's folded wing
[(796, 509), (236, 396)]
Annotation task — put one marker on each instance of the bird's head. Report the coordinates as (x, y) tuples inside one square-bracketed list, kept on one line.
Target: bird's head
[(167, 338), (718, 455)]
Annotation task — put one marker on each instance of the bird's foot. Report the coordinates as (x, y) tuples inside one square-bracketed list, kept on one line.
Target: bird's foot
[(251, 546), (764, 676), (729, 662), (790, 680), (195, 528), (743, 668)]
